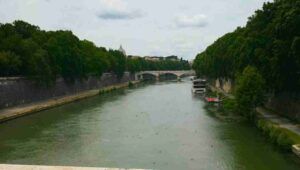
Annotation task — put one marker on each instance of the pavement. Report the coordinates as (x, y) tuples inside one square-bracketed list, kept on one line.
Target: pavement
[(21, 110), (281, 121)]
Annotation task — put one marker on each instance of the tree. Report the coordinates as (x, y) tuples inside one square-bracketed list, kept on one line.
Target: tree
[(9, 64), (64, 49), (40, 69), (27, 51), (269, 42), (118, 62), (249, 90)]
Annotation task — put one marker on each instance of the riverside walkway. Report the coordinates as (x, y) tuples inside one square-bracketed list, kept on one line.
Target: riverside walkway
[(281, 121), (21, 110), (272, 117), (269, 115)]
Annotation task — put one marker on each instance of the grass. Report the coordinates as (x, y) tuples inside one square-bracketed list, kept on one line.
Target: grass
[(130, 84), (278, 135), (107, 90), (229, 105)]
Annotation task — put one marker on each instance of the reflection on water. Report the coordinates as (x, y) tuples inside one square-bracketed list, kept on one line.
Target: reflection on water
[(159, 126)]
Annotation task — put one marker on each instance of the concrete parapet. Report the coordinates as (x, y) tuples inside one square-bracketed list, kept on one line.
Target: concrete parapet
[(37, 167)]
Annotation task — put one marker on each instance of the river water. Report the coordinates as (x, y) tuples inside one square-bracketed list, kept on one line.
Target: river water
[(157, 126)]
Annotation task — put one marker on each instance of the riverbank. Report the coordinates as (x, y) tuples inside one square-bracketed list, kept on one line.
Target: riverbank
[(281, 131), (22, 110)]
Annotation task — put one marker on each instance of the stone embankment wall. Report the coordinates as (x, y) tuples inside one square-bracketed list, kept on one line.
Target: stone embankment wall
[(224, 84), (16, 91), (285, 104)]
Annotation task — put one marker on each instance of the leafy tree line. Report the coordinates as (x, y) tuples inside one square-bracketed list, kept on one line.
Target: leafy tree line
[(269, 43), (262, 58), (140, 64), (26, 50)]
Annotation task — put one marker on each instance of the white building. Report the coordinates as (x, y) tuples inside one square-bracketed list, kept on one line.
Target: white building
[(122, 50)]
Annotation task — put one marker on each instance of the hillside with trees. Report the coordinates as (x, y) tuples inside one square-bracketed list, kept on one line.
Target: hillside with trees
[(269, 43), (26, 50)]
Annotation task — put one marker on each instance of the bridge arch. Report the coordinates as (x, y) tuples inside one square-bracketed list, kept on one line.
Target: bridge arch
[(147, 76), (168, 76), (157, 74)]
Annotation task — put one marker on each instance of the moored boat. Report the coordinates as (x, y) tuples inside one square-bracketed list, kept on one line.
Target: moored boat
[(212, 100), (199, 86)]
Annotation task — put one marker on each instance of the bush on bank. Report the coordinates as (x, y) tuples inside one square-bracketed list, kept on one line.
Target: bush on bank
[(278, 135), (229, 105), (249, 91)]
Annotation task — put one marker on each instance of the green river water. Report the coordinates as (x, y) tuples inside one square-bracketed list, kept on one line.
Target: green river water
[(157, 126)]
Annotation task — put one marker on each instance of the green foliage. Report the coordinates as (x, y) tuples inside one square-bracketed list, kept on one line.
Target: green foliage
[(9, 64), (229, 105), (130, 84), (270, 42), (117, 62), (280, 136), (40, 70), (25, 50), (249, 90), (140, 64)]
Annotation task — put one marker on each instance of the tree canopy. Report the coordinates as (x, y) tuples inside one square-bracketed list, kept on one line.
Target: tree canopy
[(270, 41), (249, 90), (26, 50)]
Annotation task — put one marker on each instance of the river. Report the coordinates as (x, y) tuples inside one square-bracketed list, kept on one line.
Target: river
[(156, 126)]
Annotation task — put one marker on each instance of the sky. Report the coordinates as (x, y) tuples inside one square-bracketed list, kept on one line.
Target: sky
[(143, 27)]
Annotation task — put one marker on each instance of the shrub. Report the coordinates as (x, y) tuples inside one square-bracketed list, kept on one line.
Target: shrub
[(229, 105), (249, 91), (278, 135)]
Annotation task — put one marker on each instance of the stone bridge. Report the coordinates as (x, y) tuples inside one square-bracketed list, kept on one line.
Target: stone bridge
[(157, 74)]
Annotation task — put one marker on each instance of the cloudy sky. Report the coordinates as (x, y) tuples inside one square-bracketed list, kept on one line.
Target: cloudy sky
[(143, 27)]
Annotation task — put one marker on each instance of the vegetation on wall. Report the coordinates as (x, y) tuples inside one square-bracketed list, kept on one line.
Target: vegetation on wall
[(26, 50)]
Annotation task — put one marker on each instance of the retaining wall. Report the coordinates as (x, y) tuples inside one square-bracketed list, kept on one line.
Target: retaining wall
[(285, 104), (16, 91)]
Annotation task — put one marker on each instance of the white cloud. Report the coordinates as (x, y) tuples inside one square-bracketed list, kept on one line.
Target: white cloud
[(118, 9), (183, 21), (114, 15)]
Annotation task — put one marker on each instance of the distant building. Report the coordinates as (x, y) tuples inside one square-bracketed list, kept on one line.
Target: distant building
[(133, 56), (173, 58), (121, 49), (153, 58)]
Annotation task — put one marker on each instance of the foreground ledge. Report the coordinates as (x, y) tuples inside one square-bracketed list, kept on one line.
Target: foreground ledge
[(37, 167)]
